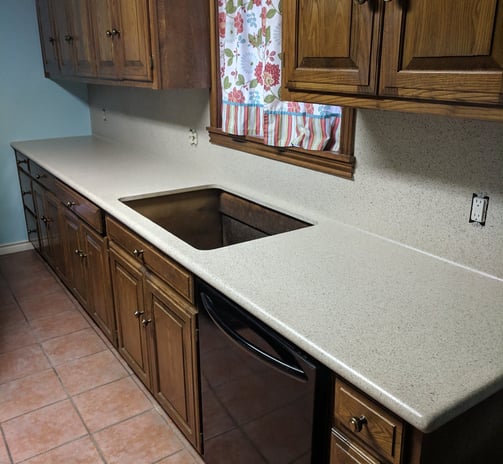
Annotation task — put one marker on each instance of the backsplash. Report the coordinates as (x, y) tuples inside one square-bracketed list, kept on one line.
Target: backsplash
[(414, 178)]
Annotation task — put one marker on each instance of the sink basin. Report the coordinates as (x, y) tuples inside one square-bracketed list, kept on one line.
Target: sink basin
[(210, 218)]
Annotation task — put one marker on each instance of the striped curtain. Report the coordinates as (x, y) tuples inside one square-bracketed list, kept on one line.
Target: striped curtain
[(250, 70)]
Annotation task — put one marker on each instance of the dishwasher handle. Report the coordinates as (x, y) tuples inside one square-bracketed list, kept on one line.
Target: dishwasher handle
[(288, 364)]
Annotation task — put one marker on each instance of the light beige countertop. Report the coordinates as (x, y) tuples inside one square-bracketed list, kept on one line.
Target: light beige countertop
[(421, 335)]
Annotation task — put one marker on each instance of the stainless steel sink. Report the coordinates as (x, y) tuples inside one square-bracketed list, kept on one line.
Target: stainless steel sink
[(210, 218)]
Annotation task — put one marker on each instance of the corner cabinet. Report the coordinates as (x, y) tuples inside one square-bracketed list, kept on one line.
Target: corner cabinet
[(144, 43), (442, 57)]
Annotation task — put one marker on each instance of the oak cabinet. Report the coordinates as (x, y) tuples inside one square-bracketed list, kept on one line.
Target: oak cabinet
[(143, 43), (156, 322), (383, 52)]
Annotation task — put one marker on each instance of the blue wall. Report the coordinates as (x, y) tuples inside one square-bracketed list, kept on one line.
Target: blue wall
[(31, 106)]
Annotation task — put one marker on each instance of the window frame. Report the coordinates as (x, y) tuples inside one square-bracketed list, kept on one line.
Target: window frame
[(339, 163)]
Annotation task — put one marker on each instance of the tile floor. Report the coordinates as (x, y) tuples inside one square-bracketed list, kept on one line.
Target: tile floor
[(65, 394)]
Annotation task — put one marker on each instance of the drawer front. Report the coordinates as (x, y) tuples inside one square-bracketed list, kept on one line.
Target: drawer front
[(26, 191), (344, 451), (42, 176), (174, 274), (80, 205), (22, 161), (368, 421)]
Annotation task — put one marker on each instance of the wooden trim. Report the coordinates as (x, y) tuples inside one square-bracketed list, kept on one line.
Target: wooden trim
[(488, 113), (339, 164)]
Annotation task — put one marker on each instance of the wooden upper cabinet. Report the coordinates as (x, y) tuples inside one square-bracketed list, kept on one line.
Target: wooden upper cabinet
[(64, 36), (122, 39), (330, 46), (442, 56), (443, 50), (48, 39), (82, 38)]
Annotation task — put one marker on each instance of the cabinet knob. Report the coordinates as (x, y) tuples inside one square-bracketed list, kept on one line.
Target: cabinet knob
[(26, 192), (45, 219), (31, 231), (21, 162), (115, 32), (68, 38), (146, 322), (138, 253), (70, 204), (139, 313), (108, 33), (357, 423), (52, 40)]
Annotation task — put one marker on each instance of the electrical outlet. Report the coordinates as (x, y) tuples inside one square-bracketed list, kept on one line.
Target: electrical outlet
[(478, 212), (193, 137)]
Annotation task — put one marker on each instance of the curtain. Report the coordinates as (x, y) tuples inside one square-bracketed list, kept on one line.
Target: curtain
[(250, 72)]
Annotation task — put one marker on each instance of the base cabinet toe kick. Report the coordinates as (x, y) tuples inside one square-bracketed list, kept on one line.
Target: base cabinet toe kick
[(146, 305)]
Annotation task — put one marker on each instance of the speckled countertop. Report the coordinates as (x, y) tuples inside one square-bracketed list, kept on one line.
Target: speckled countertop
[(422, 336)]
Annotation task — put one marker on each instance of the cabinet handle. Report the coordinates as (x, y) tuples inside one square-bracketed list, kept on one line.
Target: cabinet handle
[(115, 32), (357, 423), (146, 322), (45, 219), (52, 40), (138, 313), (68, 38), (27, 192), (70, 204), (40, 176), (21, 162), (108, 33), (138, 253), (31, 231), (80, 253), (360, 2)]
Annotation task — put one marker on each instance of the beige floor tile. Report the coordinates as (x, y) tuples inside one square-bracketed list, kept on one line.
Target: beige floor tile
[(65, 323), (81, 451), (73, 346), (22, 362), (29, 393), (130, 442), (42, 430), (15, 336), (11, 314), (51, 304), (118, 401), (4, 455), (90, 372)]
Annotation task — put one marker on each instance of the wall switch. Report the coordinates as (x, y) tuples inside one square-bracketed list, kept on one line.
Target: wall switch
[(478, 211)]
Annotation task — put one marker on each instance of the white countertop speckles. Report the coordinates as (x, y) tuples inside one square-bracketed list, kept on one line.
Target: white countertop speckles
[(421, 335)]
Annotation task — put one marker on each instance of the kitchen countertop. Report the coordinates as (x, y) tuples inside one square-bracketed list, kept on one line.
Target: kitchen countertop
[(421, 335)]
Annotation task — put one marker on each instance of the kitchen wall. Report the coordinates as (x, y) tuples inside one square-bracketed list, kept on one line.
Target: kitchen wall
[(414, 178), (30, 107)]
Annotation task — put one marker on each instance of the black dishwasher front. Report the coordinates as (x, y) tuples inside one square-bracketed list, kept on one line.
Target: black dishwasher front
[(263, 400)]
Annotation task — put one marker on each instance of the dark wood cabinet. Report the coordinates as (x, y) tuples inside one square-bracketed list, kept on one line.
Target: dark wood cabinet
[(396, 55), (156, 321), (145, 43)]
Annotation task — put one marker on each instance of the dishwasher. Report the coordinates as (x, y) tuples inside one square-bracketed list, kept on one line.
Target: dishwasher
[(263, 400)]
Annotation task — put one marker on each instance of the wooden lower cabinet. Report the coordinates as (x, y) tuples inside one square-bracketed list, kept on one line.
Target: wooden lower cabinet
[(173, 355), (156, 328)]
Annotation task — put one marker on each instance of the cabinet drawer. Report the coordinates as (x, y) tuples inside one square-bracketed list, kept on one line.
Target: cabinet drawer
[(344, 451), (42, 176), (368, 421), (174, 274), (80, 205), (26, 190), (23, 163)]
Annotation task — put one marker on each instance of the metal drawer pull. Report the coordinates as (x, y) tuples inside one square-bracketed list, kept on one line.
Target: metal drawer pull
[(357, 423)]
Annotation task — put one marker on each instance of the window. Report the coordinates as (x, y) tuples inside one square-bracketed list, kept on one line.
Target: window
[(339, 162)]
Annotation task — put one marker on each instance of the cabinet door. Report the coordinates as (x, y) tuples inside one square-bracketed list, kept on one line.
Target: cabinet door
[(174, 357), (330, 45), (98, 282), (133, 39), (102, 24), (127, 279), (449, 50), (47, 37), (75, 256), (82, 38), (64, 36)]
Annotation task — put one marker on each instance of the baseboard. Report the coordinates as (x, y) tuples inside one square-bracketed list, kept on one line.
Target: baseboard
[(8, 248)]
